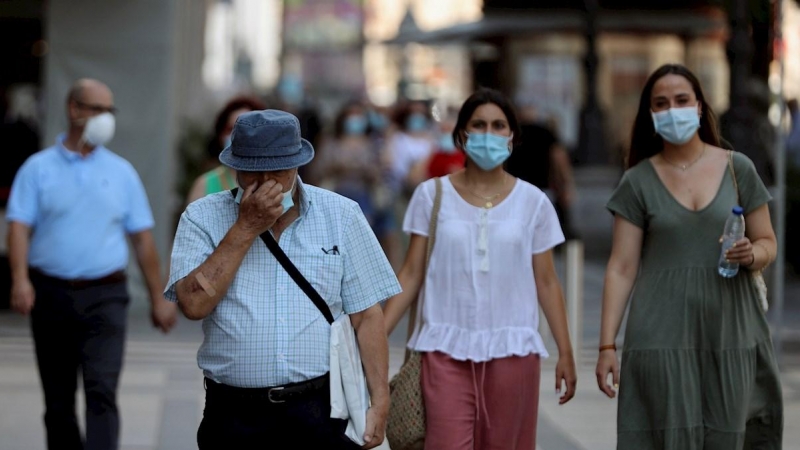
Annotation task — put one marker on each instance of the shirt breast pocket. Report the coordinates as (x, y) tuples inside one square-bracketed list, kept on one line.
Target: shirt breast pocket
[(324, 272)]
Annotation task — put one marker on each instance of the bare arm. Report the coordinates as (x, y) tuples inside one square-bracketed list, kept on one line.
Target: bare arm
[(22, 292), (623, 266), (374, 349), (759, 248), (163, 313), (146, 255), (551, 298), (410, 277), (201, 291)]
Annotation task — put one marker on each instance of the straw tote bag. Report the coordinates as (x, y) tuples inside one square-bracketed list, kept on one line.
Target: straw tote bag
[(405, 427)]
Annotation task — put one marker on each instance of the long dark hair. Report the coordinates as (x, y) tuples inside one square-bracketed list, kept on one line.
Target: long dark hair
[(480, 97), (241, 102), (645, 142)]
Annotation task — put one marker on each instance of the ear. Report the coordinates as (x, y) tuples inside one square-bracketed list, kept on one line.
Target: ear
[(700, 109)]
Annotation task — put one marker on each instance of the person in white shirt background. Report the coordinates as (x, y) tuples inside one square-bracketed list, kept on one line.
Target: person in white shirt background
[(490, 269)]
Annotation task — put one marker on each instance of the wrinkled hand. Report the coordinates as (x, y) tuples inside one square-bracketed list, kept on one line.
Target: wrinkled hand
[(23, 296), (741, 252), (163, 313), (260, 208), (566, 372), (607, 364), (376, 425)]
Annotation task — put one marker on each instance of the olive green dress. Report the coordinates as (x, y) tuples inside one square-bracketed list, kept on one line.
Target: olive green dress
[(698, 369)]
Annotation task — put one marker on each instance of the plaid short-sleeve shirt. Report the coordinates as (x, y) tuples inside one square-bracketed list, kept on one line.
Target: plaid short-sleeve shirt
[(266, 331)]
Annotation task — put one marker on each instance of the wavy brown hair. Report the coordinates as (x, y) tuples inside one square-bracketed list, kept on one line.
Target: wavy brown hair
[(645, 142)]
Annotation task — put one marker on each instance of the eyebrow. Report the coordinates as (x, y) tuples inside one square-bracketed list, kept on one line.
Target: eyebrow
[(664, 97)]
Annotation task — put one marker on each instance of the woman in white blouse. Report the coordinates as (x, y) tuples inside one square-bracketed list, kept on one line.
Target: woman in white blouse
[(491, 267)]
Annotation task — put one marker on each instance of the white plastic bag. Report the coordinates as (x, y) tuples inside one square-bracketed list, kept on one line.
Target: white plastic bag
[(349, 393)]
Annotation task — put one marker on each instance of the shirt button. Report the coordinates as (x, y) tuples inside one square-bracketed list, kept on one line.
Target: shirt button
[(281, 320)]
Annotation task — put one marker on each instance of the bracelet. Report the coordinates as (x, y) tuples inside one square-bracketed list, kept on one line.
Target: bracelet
[(752, 255), (608, 347), (769, 257)]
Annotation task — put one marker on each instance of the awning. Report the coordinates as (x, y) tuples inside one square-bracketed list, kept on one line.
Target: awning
[(684, 23)]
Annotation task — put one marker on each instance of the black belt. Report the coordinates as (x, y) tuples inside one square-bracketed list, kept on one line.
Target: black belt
[(79, 283), (276, 394)]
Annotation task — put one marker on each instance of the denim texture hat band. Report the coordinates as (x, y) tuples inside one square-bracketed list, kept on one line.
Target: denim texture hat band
[(266, 141)]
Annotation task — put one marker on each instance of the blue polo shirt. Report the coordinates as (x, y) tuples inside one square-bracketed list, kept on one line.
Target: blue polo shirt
[(80, 210)]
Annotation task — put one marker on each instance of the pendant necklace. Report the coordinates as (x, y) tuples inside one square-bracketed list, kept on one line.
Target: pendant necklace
[(683, 167), (490, 199)]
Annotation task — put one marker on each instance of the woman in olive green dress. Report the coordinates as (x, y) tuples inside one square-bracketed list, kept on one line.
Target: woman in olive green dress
[(698, 369)]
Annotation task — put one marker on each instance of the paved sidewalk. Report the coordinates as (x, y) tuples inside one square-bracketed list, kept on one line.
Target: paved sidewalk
[(161, 393)]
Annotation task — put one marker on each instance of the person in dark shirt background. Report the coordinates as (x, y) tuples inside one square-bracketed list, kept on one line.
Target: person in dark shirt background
[(540, 159)]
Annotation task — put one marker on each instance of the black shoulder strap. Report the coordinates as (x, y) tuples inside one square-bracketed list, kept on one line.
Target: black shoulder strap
[(293, 272)]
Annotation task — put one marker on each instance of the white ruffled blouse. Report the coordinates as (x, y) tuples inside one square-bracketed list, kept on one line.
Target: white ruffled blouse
[(479, 296)]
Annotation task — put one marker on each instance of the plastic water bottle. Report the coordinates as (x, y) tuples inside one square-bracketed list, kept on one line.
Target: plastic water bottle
[(734, 231)]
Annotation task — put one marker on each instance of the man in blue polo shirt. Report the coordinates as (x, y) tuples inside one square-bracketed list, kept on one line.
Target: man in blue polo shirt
[(71, 207)]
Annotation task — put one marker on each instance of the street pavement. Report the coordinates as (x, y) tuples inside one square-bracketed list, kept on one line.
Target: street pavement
[(161, 390)]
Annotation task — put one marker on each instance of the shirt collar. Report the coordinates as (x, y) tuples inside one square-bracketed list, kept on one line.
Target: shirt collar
[(71, 155)]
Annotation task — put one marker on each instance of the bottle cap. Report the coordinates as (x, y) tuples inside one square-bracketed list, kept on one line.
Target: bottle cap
[(738, 210)]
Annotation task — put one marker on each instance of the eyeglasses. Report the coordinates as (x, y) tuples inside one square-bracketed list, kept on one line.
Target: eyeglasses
[(97, 109)]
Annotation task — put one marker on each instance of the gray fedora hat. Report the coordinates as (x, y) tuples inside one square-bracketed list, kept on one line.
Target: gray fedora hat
[(266, 141)]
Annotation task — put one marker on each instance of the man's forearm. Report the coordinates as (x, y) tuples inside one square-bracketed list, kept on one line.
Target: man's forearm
[(374, 349), (147, 257), (200, 292), (18, 244)]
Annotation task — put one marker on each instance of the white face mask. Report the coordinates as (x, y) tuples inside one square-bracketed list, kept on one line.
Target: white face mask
[(99, 130)]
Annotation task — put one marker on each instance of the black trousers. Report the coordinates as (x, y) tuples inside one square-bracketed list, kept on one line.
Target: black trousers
[(80, 329), (255, 423)]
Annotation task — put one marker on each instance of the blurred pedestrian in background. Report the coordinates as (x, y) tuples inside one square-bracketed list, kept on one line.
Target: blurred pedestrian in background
[(71, 207), (698, 370), (349, 162), (446, 158), (491, 268), (540, 159), (220, 178), (412, 142), (292, 98), (265, 353)]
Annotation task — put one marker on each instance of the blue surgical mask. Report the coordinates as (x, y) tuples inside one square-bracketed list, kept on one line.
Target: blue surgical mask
[(487, 150), (288, 201), (677, 125), (417, 122), (355, 125), (377, 120), (446, 144)]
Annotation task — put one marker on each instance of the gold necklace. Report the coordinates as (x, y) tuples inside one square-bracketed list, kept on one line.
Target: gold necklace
[(489, 200), (683, 167)]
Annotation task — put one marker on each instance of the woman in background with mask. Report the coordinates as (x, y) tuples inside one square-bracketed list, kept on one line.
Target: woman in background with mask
[(412, 142), (446, 158), (218, 177), (490, 270), (698, 371)]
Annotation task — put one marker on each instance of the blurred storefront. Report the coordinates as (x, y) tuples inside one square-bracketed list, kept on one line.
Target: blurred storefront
[(322, 49), (536, 54), (397, 66)]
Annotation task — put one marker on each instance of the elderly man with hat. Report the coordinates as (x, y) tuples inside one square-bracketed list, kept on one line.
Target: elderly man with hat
[(265, 353)]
